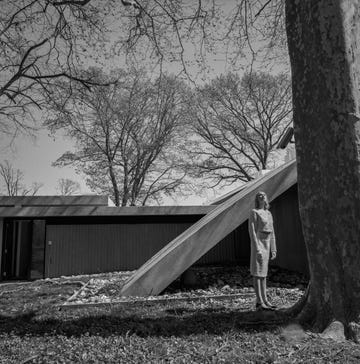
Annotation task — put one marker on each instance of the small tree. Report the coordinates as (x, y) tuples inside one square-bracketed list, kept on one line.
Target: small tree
[(240, 122), (13, 181), (67, 187), (126, 135)]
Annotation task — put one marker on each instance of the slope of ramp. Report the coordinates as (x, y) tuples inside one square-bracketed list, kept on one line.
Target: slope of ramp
[(165, 266)]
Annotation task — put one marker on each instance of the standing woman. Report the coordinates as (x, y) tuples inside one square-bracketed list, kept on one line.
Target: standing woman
[(263, 247)]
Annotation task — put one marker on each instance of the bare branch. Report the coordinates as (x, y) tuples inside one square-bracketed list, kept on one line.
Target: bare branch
[(262, 8), (12, 181), (239, 122), (124, 135), (40, 45)]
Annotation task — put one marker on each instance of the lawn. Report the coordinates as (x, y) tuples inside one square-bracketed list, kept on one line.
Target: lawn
[(34, 330)]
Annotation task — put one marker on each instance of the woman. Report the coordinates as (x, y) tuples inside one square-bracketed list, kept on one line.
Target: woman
[(261, 230)]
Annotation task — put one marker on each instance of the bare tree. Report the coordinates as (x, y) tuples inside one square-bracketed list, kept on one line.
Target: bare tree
[(40, 43), (188, 30), (325, 58), (13, 181), (240, 122), (323, 39), (46, 40), (126, 136), (68, 187)]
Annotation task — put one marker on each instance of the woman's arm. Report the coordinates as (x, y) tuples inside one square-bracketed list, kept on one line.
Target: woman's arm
[(252, 226), (272, 242), (252, 231)]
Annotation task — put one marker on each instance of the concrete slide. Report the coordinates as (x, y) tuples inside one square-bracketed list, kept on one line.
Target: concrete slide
[(171, 261)]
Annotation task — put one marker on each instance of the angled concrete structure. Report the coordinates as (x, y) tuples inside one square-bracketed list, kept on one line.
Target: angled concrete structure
[(171, 261)]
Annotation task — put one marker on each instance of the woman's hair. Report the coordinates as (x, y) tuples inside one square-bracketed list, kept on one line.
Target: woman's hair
[(257, 203)]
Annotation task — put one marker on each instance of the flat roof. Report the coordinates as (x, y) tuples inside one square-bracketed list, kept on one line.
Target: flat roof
[(81, 200), (92, 205), (84, 211)]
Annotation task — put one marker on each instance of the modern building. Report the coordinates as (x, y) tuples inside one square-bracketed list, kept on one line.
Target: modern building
[(52, 236)]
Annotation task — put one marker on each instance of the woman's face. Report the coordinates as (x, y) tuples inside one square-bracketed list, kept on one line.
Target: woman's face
[(262, 198)]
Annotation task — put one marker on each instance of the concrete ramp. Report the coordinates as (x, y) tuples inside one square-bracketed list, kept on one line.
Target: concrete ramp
[(171, 261)]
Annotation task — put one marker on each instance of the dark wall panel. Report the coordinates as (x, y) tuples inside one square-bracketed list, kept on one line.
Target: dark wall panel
[(23, 253), (242, 246), (81, 245), (38, 250), (224, 252), (1, 244), (82, 249), (289, 237)]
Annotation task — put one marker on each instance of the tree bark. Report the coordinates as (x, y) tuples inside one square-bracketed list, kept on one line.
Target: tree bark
[(114, 185), (324, 44)]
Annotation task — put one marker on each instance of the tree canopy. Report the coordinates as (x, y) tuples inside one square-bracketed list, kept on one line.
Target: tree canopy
[(240, 121), (41, 42), (127, 135)]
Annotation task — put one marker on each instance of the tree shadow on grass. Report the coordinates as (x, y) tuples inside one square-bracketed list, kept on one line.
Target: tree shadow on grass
[(174, 322)]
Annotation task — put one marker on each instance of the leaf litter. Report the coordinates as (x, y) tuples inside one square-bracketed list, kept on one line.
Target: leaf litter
[(33, 330)]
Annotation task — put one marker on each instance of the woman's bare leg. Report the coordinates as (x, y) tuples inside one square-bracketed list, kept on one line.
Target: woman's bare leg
[(258, 288), (263, 290)]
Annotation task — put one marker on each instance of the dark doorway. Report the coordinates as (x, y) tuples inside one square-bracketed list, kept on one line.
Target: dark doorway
[(16, 250)]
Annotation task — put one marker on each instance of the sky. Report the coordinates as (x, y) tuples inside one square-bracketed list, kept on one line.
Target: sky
[(34, 157)]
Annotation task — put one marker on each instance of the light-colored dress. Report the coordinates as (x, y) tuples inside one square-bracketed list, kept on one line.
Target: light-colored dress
[(262, 236)]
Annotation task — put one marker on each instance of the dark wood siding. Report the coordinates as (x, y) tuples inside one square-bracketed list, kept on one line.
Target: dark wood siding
[(95, 248), (289, 237), (242, 246), (23, 249), (83, 249), (16, 249), (91, 244), (224, 252), (1, 244), (38, 249)]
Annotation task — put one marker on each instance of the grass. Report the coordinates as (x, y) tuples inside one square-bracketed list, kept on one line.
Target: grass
[(33, 330)]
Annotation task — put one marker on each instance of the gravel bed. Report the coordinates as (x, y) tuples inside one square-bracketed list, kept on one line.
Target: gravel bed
[(209, 282)]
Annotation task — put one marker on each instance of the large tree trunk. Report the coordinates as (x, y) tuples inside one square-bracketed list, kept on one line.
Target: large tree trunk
[(324, 43)]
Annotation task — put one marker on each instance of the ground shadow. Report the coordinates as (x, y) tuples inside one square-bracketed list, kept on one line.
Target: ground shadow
[(178, 322)]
